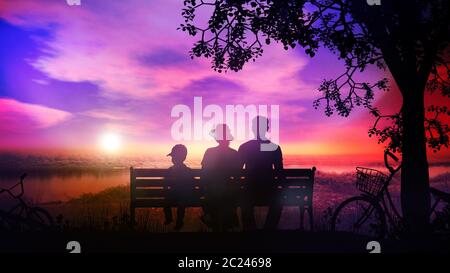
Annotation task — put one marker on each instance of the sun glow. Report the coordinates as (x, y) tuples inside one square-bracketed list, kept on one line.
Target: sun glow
[(110, 142)]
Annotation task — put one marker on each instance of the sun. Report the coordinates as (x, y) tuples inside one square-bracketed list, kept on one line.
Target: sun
[(110, 142)]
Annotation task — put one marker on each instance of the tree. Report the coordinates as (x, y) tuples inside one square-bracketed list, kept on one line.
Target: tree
[(408, 37)]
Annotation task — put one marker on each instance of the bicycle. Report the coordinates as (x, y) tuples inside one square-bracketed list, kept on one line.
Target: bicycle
[(441, 222), (370, 212), (22, 216)]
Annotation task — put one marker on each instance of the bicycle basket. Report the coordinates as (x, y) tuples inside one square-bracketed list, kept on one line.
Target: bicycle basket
[(370, 181)]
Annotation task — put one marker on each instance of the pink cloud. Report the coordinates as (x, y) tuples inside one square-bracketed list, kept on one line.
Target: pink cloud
[(17, 116), (91, 43), (104, 41), (107, 115)]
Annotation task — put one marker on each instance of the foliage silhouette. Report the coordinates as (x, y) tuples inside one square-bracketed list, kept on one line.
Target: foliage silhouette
[(410, 38)]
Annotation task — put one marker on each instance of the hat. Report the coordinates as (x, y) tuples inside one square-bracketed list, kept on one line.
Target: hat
[(222, 132), (178, 149)]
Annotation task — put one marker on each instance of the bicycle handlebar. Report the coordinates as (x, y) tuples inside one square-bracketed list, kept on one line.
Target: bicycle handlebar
[(391, 169), (22, 177), (9, 190)]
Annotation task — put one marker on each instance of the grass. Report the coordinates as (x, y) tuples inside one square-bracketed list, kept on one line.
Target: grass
[(108, 210)]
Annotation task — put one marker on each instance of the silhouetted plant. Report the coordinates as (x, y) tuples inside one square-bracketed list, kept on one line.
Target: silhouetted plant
[(442, 221)]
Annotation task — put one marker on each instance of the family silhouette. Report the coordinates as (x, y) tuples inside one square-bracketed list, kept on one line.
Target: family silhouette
[(221, 162)]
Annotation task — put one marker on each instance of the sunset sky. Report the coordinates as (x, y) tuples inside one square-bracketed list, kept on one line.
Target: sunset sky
[(71, 75)]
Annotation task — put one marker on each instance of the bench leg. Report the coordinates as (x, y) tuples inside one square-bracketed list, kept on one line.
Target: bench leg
[(302, 217), (311, 223), (132, 216)]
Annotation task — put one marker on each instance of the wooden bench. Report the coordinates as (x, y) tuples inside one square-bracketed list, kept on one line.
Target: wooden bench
[(295, 186)]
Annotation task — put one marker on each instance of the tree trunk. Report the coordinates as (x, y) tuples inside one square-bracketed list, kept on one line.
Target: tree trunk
[(415, 198)]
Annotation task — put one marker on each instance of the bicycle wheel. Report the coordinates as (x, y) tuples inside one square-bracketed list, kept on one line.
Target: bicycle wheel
[(39, 218), (6, 223), (12, 222), (360, 215)]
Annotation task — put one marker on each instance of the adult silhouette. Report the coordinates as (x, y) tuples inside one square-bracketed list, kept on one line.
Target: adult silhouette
[(219, 164), (259, 163)]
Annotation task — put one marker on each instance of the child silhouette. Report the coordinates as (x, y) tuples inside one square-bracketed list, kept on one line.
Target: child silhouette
[(179, 185)]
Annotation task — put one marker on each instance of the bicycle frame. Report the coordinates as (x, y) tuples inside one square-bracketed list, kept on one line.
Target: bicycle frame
[(9, 190), (393, 216), (384, 197), (382, 203), (21, 205), (387, 205), (23, 215)]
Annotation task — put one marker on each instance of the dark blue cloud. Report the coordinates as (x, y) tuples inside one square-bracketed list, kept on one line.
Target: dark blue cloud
[(212, 85), (164, 57), (213, 90), (21, 81)]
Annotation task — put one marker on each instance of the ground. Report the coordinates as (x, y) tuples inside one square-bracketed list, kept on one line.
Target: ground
[(287, 242)]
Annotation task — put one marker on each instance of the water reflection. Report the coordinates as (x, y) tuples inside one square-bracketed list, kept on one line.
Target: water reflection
[(52, 186), (61, 185)]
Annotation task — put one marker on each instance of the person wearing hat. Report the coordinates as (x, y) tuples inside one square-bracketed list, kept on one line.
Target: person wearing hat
[(179, 185), (218, 165)]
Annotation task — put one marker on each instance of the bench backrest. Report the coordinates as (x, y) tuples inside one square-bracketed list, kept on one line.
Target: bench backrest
[(147, 187)]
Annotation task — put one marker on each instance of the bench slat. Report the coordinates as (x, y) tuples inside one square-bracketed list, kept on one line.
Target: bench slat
[(297, 172), (138, 172), (142, 193), (159, 203), (297, 181), (141, 172), (149, 183), (147, 188), (161, 192)]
